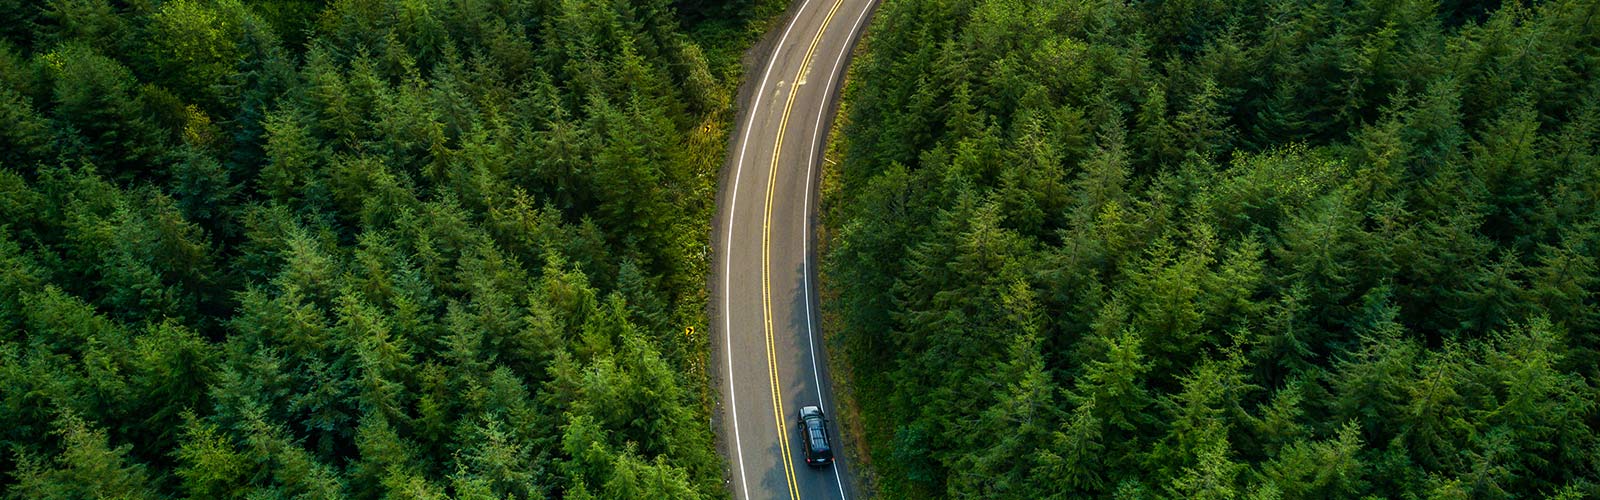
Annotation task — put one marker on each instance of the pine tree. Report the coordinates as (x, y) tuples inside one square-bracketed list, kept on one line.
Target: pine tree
[(88, 466)]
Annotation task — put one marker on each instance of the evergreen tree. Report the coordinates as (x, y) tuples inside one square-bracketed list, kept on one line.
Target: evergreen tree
[(1280, 249)]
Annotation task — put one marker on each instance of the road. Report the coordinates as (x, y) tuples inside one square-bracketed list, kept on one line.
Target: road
[(768, 342)]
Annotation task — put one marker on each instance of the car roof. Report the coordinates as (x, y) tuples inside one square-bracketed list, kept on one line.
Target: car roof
[(819, 441), (814, 431)]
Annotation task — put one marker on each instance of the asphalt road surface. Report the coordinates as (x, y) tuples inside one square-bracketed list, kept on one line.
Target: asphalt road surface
[(768, 338)]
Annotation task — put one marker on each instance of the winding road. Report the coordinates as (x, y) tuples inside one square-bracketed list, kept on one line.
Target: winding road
[(769, 344)]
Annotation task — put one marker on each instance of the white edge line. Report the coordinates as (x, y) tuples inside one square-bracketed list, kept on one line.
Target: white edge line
[(727, 256), (816, 133)]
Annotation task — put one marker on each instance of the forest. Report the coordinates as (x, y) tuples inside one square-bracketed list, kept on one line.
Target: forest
[(1218, 249), (360, 248)]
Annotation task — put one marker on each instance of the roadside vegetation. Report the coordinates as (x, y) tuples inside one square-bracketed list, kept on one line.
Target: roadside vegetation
[(1223, 249), (360, 248)]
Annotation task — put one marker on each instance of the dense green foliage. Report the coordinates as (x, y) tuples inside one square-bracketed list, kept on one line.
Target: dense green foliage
[(358, 248), (1224, 249)]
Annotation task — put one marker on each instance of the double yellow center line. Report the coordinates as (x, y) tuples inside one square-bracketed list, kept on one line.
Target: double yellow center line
[(766, 259)]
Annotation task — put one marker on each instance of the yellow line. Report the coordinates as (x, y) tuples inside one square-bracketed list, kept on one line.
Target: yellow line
[(766, 259)]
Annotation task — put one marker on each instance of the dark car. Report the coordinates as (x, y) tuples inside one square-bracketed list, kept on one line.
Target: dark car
[(814, 436)]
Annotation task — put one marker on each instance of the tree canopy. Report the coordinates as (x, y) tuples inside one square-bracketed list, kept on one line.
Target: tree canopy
[(1206, 249), (360, 248)]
